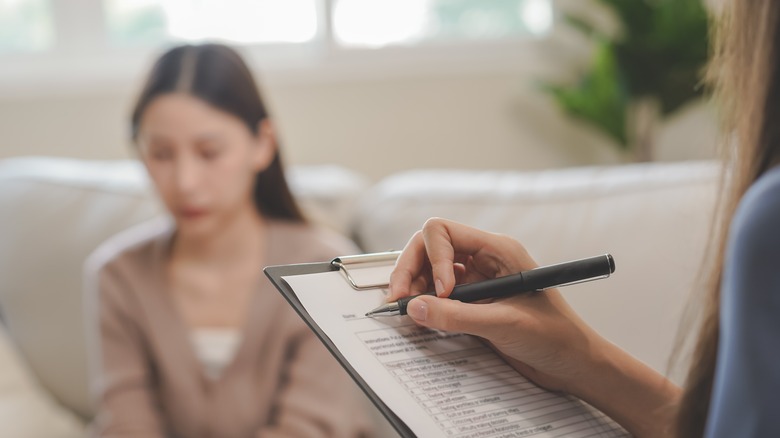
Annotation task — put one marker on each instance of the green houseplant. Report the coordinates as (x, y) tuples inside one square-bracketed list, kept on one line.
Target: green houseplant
[(644, 72)]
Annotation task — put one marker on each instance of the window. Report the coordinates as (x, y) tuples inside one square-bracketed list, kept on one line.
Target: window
[(25, 25), (376, 23), (91, 42), (355, 23), (236, 21)]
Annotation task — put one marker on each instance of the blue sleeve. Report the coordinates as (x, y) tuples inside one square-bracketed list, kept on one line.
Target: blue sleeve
[(746, 390)]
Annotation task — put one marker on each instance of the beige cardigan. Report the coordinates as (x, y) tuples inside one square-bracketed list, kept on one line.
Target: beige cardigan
[(148, 382)]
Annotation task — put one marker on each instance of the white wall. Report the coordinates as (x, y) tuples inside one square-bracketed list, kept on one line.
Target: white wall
[(380, 125), (484, 121)]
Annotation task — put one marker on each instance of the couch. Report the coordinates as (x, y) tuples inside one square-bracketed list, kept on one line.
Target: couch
[(653, 218)]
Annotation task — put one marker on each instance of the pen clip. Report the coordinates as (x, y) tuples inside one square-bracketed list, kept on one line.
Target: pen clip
[(578, 281)]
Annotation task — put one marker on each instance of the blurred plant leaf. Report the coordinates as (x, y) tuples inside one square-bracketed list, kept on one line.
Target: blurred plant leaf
[(659, 53), (583, 26), (600, 97)]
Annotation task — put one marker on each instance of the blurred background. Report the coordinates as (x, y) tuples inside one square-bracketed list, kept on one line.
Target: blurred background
[(375, 85)]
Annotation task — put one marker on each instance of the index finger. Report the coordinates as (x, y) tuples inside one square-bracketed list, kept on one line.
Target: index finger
[(447, 242), (408, 266), (434, 244)]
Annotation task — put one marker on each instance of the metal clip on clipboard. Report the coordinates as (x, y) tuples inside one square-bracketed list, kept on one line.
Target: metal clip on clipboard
[(366, 271)]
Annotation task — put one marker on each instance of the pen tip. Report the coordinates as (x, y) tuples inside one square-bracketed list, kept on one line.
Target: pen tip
[(388, 309), (372, 313)]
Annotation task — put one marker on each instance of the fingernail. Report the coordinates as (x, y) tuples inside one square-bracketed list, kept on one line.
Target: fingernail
[(417, 309), (439, 287)]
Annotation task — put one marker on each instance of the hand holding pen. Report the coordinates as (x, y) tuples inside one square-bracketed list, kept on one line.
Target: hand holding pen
[(535, 280), (539, 334)]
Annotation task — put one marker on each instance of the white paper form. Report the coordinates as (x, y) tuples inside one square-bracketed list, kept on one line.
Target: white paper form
[(440, 384)]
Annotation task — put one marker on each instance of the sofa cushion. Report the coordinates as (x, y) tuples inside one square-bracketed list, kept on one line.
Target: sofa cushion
[(26, 409), (653, 218), (54, 212)]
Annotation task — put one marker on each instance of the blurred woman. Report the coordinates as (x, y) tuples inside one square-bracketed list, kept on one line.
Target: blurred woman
[(190, 339)]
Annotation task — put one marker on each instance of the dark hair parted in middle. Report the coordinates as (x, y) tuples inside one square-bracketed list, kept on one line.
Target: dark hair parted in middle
[(218, 75)]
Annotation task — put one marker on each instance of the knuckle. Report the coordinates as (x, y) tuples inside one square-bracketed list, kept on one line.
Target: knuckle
[(414, 241), (432, 221)]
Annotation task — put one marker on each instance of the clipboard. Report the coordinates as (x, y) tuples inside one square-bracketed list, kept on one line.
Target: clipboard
[(502, 393), (350, 267)]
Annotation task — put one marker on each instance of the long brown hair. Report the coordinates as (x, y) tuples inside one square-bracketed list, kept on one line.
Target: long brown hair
[(219, 76), (746, 73)]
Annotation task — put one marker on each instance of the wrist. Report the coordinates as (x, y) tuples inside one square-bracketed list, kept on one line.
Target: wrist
[(639, 398)]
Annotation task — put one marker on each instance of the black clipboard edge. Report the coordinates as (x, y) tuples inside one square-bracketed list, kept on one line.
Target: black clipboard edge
[(275, 274)]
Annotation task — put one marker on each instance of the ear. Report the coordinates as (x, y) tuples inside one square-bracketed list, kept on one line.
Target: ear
[(265, 145)]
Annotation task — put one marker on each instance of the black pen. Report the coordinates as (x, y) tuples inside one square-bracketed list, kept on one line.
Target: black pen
[(543, 277)]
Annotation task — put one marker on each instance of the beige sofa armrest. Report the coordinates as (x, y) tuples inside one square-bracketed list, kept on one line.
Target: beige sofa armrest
[(26, 410)]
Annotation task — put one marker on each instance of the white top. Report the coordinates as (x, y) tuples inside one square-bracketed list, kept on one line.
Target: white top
[(215, 348)]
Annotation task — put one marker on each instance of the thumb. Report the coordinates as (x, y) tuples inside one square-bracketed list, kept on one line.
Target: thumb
[(450, 315)]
